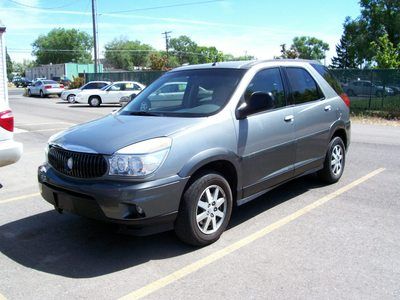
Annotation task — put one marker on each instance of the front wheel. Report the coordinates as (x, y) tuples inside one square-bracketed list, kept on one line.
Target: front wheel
[(205, 210), (29, 93), (71, 98), (334, 161), (94, 101)]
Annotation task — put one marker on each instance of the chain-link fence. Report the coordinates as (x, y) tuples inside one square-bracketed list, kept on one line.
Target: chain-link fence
[(369, 90), (373, 90)]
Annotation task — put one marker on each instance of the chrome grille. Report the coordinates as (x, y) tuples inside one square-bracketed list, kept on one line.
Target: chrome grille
[(80, 165)]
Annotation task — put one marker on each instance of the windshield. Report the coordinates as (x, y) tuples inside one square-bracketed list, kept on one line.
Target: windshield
[(192, 93), (49, 82)]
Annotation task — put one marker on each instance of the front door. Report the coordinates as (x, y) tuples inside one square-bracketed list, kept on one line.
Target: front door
[(266, 139)]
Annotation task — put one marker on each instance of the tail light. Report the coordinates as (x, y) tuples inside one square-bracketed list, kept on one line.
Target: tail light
[(7, 120), (47, 86), (61, 86), (345, 99)]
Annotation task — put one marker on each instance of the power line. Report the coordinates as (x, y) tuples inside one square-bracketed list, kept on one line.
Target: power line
[(164, 6), (31, 6)]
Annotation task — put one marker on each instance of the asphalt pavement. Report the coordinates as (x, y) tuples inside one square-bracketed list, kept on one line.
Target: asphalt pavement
[(303, 240)]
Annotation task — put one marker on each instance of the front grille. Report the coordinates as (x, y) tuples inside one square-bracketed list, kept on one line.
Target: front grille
[(81, 165)]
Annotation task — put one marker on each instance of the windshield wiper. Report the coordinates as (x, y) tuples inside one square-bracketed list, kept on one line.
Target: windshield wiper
[(144, 113)]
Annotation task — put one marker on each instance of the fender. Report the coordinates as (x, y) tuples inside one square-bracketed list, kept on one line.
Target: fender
[(211, 155), (340, 124)]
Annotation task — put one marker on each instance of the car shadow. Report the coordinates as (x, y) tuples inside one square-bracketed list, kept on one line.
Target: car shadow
[(75, 247), (88, 106)]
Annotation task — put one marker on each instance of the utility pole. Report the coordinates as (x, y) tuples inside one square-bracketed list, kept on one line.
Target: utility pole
[(94, 19), (167, 36)]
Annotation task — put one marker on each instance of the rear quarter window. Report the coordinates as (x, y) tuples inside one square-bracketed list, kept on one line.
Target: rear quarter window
[(329, 78)]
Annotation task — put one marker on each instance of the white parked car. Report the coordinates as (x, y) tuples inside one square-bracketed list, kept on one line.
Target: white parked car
[(69, 95), (109, 94), (10, 151), (45, 88)]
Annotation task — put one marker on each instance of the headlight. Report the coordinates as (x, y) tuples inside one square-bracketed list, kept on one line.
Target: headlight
[(140, 159)]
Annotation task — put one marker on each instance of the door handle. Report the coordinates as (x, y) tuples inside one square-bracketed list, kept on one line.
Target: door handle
[(289, 118), (328, 108)]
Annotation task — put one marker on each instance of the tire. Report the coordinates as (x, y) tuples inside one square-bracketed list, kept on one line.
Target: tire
[(41, 94), (333, 166), (59, 95), (29, 93), (94, 101), (197, 202), (71, 98)]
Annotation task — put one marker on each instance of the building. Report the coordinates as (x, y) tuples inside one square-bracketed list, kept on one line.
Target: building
[(68, 70), (3, 71)]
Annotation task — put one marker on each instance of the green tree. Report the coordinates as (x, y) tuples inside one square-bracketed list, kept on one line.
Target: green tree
[(309, 47), (184, 49), (209, 54), (21, 67), (125, 54), (288, 53), (349, 53), (387, 56), (9, 66), (62, 46), (381, 17)]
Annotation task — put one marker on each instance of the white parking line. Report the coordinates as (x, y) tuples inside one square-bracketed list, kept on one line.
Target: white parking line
[(38, 124), (201, 263), (18, 130)]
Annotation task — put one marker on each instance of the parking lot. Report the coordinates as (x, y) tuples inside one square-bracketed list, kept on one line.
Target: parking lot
[(302, 240)]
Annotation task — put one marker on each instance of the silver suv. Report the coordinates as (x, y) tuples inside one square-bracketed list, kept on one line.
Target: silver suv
[(231, 132)]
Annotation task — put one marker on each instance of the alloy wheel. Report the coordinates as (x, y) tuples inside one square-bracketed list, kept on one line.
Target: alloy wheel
[(211, 209)]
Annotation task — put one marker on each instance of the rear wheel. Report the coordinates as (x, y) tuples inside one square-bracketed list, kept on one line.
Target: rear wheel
[(334, 161), (29, 93), (94, 101), (205, 210), (41, 94)]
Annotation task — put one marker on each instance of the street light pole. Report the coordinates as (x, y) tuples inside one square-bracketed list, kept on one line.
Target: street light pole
[(94, 19)]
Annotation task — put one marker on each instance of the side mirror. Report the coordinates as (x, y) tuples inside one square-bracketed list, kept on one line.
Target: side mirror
[(257, 102)]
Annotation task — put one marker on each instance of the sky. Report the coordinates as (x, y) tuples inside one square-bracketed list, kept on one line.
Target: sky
[(255, 27)]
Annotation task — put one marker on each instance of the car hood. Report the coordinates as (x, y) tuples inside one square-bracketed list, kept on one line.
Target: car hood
[(113, 132)]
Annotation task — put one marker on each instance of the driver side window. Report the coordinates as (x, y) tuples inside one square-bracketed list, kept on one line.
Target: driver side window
[(268, 81)]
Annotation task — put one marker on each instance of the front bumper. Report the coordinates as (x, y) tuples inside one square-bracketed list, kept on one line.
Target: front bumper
[(146, 207), (10, 152)]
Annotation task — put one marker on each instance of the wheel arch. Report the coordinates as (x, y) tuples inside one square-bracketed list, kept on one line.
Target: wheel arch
[(339, 129), (220, 160)]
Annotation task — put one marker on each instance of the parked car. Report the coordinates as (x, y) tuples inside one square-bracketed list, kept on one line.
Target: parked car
[(45, 88), (21, 82), (111, 93), (238, 130), (396, 89), (69, 95), (65, 81), (10, 151), (366, 88)]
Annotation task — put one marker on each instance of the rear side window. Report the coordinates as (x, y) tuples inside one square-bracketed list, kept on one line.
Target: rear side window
[(268, 81), (304, 88), (329, 77)]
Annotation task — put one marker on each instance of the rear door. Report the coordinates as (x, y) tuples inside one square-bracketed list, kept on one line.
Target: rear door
[(313, 116), (266, 139)]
